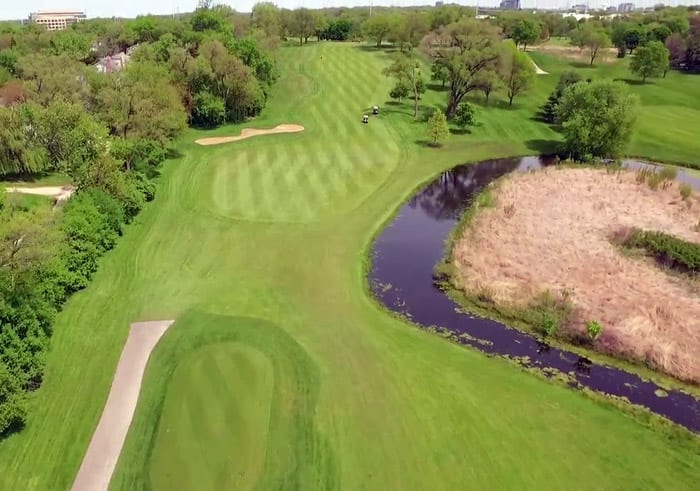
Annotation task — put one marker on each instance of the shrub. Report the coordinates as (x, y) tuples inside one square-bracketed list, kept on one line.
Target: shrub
[(13, 407), (672, 251), (593, 329), (438, 129), (686, 191), (465, 115), (209, 110), (549, 325)]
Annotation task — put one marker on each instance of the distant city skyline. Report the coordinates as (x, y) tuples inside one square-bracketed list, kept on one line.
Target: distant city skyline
[(132, 8)]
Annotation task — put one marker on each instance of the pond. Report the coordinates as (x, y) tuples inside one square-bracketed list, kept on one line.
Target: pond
[(406, 252)]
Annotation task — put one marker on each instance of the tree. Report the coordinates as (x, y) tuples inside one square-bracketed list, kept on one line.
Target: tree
[(406, 71), (517, 71), (439, 73), (72, 138), (18, 153), (51, 77), (465, 115), (651, 60), (303, 23), (410, 29), (140, 102), (377, 28), (566, 79), (438, 129), (487, 81), (399, 91), (465, 49), (267, 17), (597, 118), (595, 40), (208, 110), (525, 32), (633, 37)]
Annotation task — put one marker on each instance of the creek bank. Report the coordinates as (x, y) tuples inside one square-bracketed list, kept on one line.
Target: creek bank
[(404, 256)]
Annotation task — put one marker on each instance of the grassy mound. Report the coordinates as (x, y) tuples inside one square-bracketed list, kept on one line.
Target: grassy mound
[(228, 403)]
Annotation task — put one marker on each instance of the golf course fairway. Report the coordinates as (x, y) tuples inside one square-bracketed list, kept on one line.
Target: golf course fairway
[(281, 371)]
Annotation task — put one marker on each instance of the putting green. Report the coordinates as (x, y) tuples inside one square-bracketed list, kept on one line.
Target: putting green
[(220, 443)]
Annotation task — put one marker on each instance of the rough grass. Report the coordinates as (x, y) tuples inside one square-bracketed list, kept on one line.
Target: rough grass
[(398, 408), (559, 240)]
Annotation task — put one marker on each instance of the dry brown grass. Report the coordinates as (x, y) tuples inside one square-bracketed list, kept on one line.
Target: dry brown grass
[(560, 239), (608, 55)]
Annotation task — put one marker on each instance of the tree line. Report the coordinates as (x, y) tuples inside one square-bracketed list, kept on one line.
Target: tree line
[(108, 133)]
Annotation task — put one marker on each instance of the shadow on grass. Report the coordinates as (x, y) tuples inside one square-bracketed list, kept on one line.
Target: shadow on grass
[(438, 87), (22, 177), (460, 131), (632, 81), (543, 147), (427, 144)]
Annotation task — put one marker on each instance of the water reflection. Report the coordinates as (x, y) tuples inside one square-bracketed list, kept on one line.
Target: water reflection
[(401, 277)]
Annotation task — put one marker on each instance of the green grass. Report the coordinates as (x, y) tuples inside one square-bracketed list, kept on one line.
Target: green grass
[(669, 116), (33, 181), (28, 201), (258, 248)]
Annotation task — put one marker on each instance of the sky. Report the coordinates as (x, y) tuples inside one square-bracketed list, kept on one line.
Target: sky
[(13, 9)]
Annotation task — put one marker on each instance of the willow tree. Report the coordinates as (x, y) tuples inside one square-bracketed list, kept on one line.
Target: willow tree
[(465, 50)]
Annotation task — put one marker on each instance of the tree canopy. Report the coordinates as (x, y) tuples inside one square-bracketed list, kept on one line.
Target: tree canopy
[(597, 118)]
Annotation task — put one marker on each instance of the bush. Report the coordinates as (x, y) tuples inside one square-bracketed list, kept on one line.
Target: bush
[(465, 115), (686, 191), (549, 325), (593, 329), (399, 91), (438, 129), (208, 110), (13, 406), (672, 251)]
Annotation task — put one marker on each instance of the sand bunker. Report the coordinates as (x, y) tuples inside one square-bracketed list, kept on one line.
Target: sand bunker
[(106, 444), (538, 70), (58, 193), (552, 229), (251, 132)]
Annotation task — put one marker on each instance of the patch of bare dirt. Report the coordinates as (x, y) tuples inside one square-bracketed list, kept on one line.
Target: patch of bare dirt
[(251, 132), (552, 230), (58, 193)]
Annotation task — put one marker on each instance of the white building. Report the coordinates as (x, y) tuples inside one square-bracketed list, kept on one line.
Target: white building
[(56, 20)]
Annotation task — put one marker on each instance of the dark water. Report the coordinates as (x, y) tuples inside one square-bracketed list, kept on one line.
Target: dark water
[(401, 277)]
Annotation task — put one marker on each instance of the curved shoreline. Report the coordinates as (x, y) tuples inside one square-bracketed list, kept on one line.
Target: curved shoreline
[(428, 218), (102, 454)]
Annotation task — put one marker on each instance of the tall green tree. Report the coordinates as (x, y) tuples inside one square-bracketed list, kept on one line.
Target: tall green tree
[(651, 60), (517, 71), (51, 77), (268, 18), (378, 27), (406, 70), (438, 129), (465, 49), (141, 102), (597, 118), (525, 32), (595, 39)]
